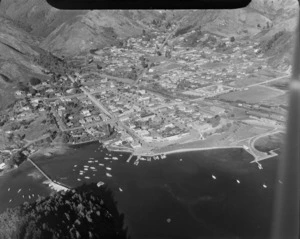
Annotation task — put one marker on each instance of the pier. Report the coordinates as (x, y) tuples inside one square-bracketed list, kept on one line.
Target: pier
[(128, 160), (53, 182)]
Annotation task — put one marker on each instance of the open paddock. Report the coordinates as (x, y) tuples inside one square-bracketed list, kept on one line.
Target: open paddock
[(255, 94)]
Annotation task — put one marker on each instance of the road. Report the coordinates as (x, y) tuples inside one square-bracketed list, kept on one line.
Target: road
[(267, 81), (96, 102)]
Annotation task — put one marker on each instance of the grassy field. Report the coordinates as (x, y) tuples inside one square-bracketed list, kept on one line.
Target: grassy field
[(255, 94), (253, 79), (270, 142), (277, 100)]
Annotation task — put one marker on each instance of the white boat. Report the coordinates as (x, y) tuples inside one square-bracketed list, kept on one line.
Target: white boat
[(101, 164), (265, 186), (32, 195), (108, 168), (213, 176), (90, 161), (280, 181), (106, 158), (141, 158), (10, 200), (86, 177), (86, 169), (22, 196), (91, 158), (108, 175), (96, 161), (163, 156), (75, 165), (180, 160), (86, 166), (100, 183), (20, 190), (238, 181), (8, 189), (29, 197), (121, 190), (114, 158), (78, 179), (93, 168)]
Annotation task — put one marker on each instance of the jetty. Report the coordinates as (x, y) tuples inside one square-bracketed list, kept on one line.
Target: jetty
[(53, 182), (128, 160)]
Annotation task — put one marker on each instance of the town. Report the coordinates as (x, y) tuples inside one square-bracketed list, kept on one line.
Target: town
[(160, 91)]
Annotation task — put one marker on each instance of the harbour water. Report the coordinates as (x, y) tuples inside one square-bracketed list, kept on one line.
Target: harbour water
[(207, 194)]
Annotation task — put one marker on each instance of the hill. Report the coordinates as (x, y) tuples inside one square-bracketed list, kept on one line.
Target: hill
[(86, 212)]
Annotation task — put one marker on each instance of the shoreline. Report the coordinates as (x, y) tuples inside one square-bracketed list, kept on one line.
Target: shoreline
[(184, 150)]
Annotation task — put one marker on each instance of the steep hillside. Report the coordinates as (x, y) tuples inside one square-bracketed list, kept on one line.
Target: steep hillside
[(17, 50), (71, 32)]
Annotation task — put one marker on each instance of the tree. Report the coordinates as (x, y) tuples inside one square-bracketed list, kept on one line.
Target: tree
[(85, 212), (35, 81)]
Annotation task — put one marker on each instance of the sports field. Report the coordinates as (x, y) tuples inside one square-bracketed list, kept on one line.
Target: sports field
[(255, 94)]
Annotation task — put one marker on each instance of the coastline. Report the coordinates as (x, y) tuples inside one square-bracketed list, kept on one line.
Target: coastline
[(174, 151), (50, 150)]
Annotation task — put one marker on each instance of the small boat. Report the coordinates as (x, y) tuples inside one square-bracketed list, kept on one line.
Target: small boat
[(280, 181), (213, 176), (22, 196), (108, 175), (108, 168), (93, 168), (29, 196), (8, 189), (75, 165), (90, 161), (86, 169), (121, 190), (168, 220), (91, 158), (20, 190), (180, 160), (86, 166), (114, 158), (260, 166), (96, 161), (32, 195), (265, 186), (10, 200), (141, 158), (86, 177), (101, 164), (100, 183), (106, 158), (238, 181), (163, 156), (78, 179)]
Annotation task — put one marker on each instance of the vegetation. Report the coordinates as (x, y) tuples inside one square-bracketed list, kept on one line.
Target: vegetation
[(53, 64), (35, 81), (87, 212), (183, 30)]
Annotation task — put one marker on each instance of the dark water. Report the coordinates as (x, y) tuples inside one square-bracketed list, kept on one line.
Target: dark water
[(183, 191)]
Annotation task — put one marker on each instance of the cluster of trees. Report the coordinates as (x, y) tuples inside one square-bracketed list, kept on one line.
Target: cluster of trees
[(86, 212), (183, 30), (214, 121), (268, 45), (17, 158), (53, 64), (34, 81)]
